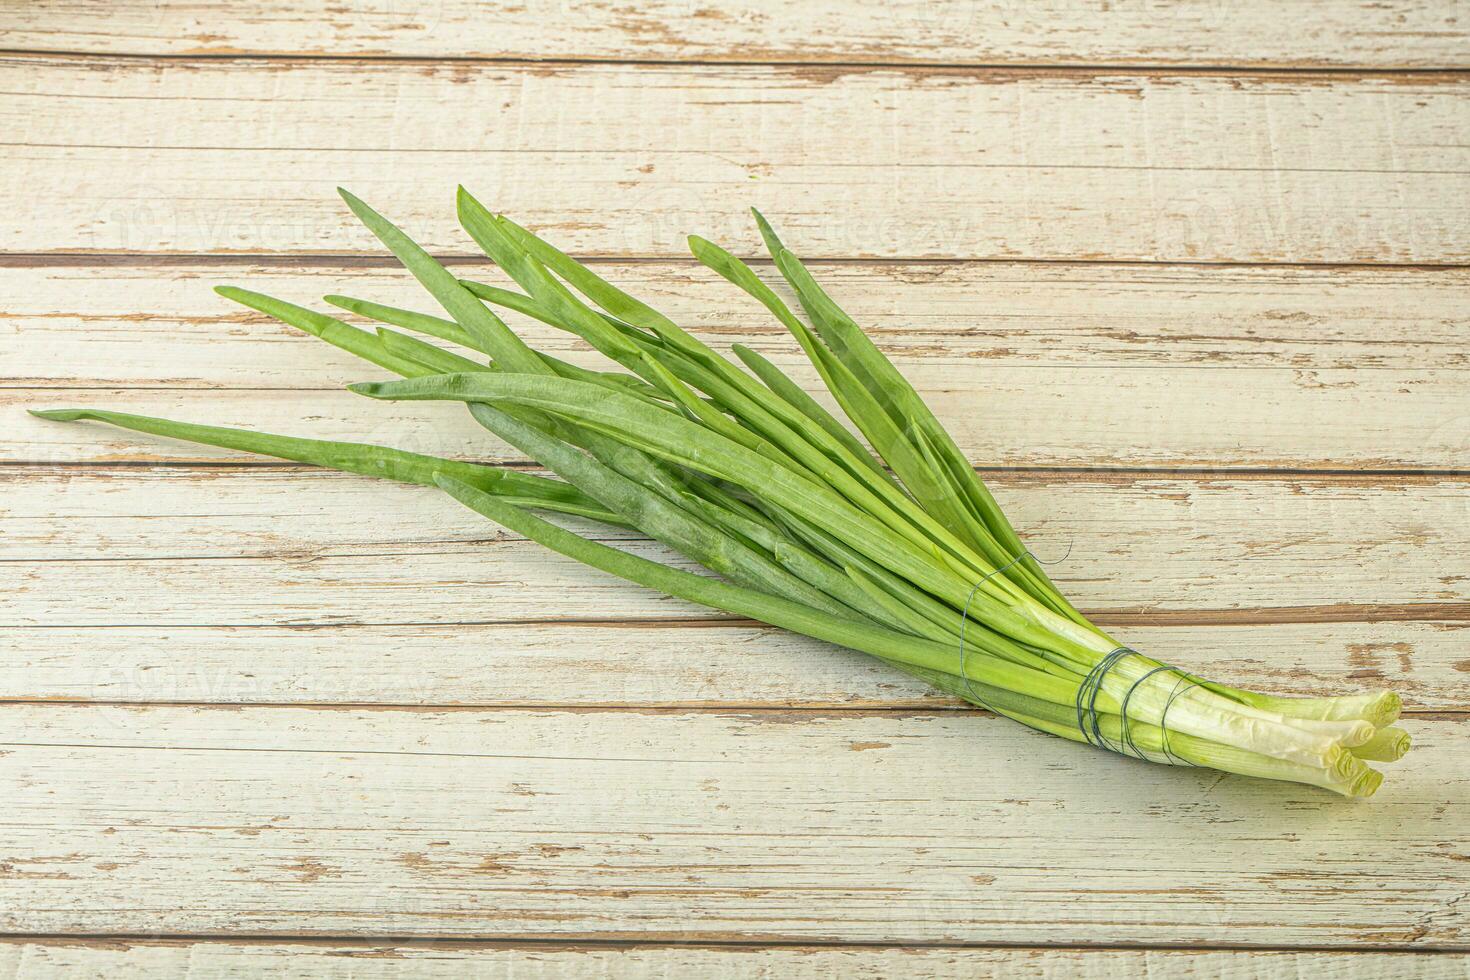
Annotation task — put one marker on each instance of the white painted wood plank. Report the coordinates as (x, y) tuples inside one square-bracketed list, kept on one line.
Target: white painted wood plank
[(1029, 364), (542, 823), (125, 959), (1405, 33), (1000, 417), (149, 325), (171, 548), (942, 826), (661, 664), (200, 567), (948, 164)]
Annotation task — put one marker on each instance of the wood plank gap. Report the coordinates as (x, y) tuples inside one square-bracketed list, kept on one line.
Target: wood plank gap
[(1120, 475), (779, 712), (910, 66), (85, 259), (1421, 612), (452, 942)]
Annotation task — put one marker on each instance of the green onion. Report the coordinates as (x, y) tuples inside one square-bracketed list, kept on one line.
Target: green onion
[(895, 547)]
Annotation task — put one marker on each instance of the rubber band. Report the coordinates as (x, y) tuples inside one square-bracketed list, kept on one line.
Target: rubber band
[(1089, 719), (1125, 720), (1089, 722), (1169, 703)]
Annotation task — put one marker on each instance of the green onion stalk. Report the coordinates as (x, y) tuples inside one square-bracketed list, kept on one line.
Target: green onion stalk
[(889, 544)]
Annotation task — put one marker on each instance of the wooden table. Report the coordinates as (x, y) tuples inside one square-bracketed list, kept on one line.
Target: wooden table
[(1188, 280)]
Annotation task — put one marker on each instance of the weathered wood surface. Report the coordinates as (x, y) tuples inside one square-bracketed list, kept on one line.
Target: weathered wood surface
[(71, 322), (930, 826), (268, 549), (1029, 364), (125, 959), (222, 585), (1402, 34), (665, 663), (851, 162), (1204, 419), (261, 701)]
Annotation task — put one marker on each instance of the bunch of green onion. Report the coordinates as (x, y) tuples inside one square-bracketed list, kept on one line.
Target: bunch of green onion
[(905, 556)]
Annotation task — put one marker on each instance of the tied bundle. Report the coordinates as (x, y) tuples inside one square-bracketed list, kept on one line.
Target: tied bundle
[(892, 546)]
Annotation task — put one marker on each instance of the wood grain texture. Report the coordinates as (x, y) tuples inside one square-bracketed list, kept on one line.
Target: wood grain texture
[(670, 663), (1405, 33), (131, 322), (223, 585), (125, 959), (851, 162), (1092, 418), (935, 826), (1029, 364), (261, 701), (177, 548)]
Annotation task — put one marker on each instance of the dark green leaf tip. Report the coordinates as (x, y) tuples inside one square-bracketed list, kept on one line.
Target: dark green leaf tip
[(369, 388), (358, 205), (58, 414), (463, 197), (462, 193), (246, 297)]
